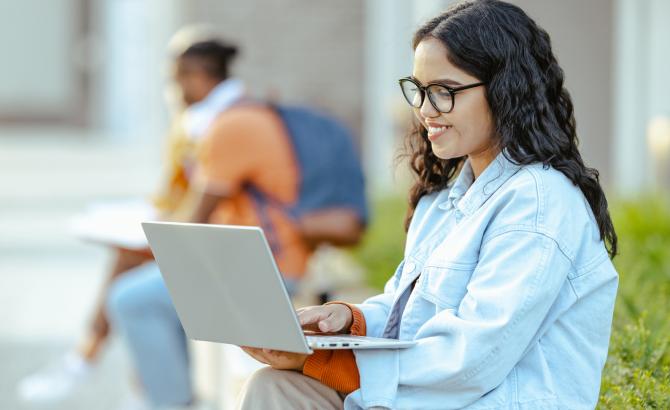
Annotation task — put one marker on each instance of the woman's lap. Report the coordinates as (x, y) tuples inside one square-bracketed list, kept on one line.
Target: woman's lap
[(269, 388)]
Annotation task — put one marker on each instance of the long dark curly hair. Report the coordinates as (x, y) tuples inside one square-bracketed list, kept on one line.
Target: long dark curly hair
[(500, 45)]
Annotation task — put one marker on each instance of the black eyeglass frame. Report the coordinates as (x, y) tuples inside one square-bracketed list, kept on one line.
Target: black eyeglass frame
[(424, 91)]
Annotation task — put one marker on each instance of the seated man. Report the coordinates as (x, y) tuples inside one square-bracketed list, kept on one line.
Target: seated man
[(241, 145)]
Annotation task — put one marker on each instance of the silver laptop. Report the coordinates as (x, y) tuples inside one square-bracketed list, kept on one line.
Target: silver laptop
[(226, 288)]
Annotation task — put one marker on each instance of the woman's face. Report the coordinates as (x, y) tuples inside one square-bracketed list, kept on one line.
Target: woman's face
[(469, 128)]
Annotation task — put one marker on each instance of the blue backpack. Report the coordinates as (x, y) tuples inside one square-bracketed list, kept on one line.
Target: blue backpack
[(330, 169)]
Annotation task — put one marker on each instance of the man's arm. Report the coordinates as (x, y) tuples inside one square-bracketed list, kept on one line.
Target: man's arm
[(337, 226), (198, 206)]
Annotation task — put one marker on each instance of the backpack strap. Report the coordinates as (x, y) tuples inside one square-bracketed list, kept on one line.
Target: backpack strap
[(261, 203), (261, 200)]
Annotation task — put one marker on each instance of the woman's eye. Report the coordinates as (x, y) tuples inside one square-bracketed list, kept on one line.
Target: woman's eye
[(443, 93)]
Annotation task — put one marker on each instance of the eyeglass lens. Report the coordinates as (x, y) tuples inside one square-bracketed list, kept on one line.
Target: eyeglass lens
[(438, 95)]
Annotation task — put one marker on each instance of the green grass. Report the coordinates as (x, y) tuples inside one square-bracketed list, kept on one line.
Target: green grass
[(382, 248), (637, 373)]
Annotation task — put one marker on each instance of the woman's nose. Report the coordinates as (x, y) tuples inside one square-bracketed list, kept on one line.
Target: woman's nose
[(427, 110)]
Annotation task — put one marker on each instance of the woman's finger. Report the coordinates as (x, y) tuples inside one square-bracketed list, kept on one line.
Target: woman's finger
[(256, 354), (274, 358), (331, 323), (312, 316), (338, 319)]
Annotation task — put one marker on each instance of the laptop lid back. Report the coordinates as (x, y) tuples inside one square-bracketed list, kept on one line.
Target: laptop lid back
[(225, 285)]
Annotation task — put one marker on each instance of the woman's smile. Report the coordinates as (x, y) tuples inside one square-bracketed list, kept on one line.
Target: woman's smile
[(435, 132)]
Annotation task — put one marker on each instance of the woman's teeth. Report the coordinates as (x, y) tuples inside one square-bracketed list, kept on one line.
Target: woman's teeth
[(437, 130)]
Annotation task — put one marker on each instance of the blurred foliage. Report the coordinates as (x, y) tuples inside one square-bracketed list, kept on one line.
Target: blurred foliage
[(382, 248), (637, 372)]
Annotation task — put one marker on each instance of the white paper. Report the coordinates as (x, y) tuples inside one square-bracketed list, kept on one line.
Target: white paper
[(115, 223)]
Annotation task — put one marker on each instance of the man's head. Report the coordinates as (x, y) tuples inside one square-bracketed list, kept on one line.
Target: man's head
[(201, 67)]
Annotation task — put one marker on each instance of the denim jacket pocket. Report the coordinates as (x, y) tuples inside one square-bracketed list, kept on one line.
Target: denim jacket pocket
[(445, 286)]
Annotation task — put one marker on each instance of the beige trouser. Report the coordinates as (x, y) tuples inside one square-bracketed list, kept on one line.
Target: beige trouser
[(286, 389)]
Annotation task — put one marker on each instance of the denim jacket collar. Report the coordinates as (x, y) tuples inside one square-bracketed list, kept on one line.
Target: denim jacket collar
[(468, 194)]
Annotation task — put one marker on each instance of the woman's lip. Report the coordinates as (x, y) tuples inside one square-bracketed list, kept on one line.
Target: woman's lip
[(433, 137)]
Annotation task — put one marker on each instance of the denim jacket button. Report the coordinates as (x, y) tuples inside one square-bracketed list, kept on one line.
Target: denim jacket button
[(409, 267)]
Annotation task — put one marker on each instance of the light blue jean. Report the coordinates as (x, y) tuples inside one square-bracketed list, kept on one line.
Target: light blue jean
[(140, 308)]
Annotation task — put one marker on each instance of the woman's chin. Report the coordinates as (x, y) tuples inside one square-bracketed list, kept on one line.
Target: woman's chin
[(443, 152)]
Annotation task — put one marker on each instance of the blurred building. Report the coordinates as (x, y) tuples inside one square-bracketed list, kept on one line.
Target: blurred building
[(102, 64)]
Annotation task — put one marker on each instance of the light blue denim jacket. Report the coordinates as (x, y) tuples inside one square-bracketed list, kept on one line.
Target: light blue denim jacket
[(512, 308)]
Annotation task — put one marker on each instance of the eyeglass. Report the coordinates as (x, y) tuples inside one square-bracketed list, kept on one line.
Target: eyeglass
[(441, 96)]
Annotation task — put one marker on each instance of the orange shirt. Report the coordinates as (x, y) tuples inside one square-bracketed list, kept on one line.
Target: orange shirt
[(249, 145)]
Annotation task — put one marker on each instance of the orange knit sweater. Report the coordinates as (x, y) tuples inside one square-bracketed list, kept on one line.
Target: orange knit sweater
[(337, 368)]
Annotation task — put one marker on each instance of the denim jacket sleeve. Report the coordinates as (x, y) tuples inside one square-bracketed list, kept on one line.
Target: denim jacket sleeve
[(469, 350)]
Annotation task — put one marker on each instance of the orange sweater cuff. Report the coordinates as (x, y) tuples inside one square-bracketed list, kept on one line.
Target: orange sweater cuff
[(337, 368), (316, 363)]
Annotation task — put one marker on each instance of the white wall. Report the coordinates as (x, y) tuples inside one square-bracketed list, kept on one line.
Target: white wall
[(642, 88), (37, 73), (133, 37)]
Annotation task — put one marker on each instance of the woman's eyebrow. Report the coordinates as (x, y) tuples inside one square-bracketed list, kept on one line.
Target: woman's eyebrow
[(447, 81)]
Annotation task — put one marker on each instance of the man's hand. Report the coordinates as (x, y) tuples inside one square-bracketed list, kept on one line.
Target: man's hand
[(278, 359), (332, 318)]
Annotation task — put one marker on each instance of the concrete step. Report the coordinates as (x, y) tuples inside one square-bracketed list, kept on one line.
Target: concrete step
[(42, 166), (104, 390)]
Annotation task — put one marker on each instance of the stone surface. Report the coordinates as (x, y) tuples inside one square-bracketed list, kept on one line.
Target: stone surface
[(49, 280)]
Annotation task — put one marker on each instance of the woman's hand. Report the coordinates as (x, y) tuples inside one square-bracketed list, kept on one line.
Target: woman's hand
[(332, 318), (278, 359)]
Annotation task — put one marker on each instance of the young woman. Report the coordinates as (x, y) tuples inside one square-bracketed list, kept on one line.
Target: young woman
[(506, 285)]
